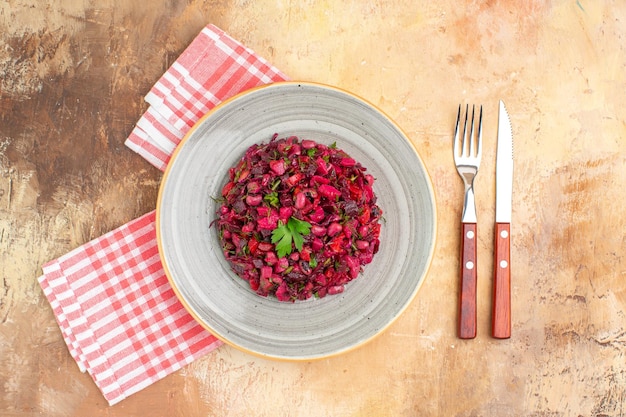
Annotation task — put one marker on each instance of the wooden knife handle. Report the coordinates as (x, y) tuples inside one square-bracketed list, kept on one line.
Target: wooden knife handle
[(467, 299), (501, 315)]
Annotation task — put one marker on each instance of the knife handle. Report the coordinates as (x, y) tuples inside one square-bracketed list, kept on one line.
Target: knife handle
[(467, 299), (501, 315)]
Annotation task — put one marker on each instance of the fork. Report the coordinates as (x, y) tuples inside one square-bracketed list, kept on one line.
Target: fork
[(467, 153)]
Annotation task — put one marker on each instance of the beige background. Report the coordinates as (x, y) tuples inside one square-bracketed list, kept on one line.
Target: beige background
[(72, 79)]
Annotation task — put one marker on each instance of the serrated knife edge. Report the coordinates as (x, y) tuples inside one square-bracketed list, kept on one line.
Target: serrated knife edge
[(504, 167)]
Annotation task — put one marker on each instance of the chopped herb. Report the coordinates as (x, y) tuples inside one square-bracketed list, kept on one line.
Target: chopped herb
[(271, 199)]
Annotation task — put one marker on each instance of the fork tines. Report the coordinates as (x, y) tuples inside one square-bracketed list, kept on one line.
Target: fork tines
[(472, 146)]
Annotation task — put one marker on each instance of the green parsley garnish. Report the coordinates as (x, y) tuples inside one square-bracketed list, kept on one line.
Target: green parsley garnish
[(285, 234)]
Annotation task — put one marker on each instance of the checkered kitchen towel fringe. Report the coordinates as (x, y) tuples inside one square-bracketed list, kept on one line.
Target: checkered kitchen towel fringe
[(117, 312)]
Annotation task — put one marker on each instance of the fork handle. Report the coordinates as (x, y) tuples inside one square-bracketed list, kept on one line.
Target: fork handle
[(467, 299), (501, 314)]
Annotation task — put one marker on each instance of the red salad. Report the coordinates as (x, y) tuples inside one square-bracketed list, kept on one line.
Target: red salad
[(298, 219)]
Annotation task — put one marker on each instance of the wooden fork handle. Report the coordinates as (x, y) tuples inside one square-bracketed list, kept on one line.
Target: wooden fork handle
[(467, 299), (501, 314)]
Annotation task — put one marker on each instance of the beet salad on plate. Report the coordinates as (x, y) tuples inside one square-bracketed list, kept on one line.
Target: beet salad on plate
[(298, 219)]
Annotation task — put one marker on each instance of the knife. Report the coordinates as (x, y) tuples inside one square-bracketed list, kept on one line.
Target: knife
[(501, 314)]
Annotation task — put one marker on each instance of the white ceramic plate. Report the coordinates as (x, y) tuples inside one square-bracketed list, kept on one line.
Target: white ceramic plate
[(220, 300)]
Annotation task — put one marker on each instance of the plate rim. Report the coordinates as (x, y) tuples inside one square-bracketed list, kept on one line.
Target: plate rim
[(202, 323)]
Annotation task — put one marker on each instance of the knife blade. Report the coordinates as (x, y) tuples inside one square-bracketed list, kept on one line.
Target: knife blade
[(501, 306)]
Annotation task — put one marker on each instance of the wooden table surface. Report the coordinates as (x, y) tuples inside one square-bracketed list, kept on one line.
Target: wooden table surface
[(73, 75)]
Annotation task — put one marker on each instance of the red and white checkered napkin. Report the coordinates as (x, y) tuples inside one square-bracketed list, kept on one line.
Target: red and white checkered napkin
[(116, 309), (118, 314), (212, 69)]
